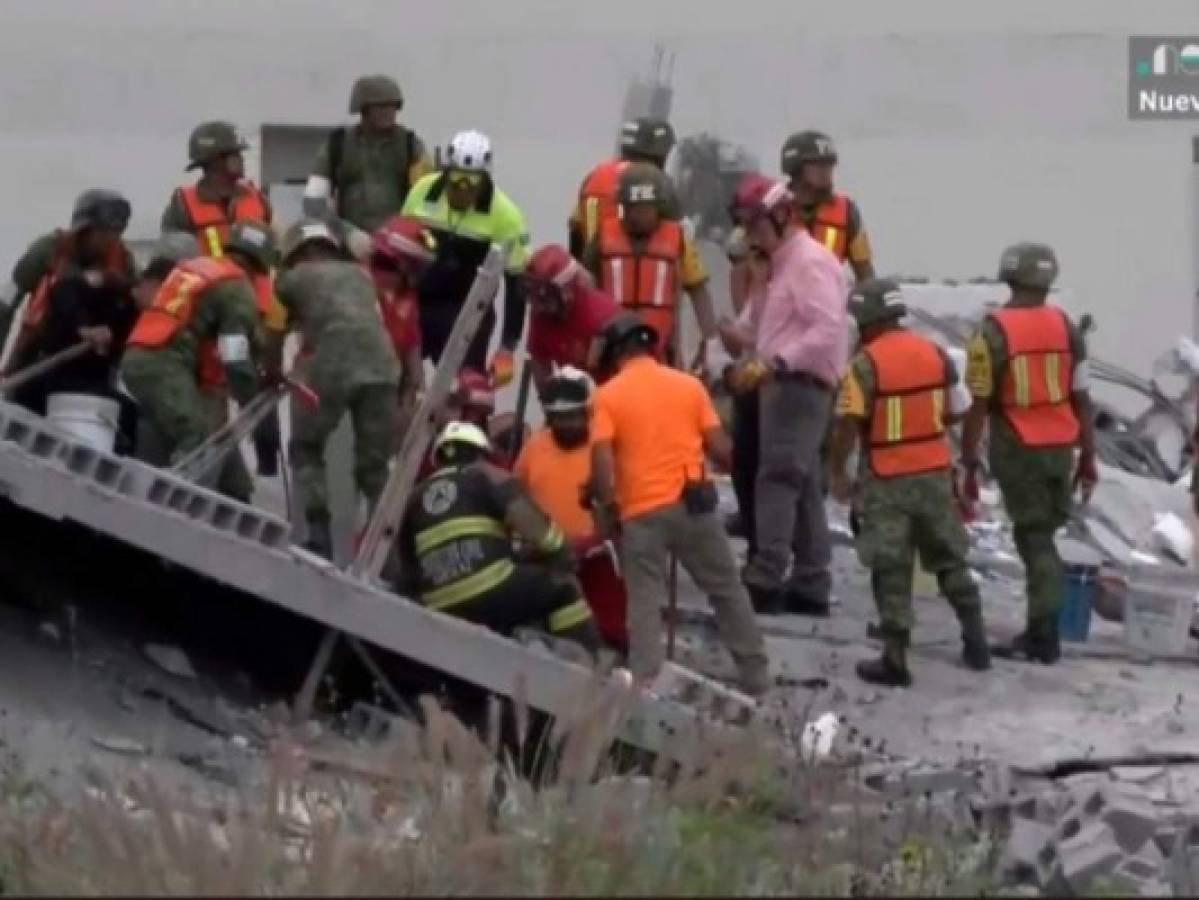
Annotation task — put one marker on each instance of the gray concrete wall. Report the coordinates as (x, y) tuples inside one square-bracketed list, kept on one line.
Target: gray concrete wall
[(962, 126)]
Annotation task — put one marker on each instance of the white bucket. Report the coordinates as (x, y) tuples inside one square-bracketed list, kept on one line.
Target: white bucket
[(91, 419), (1158, 610)]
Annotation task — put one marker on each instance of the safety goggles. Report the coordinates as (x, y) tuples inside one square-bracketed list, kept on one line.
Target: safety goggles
[(465, 180)]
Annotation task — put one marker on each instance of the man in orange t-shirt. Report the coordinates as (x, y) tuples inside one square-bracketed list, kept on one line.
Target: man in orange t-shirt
[(555, 469), (652, 427)]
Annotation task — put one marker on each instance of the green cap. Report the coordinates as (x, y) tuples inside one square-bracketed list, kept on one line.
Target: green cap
[(644, 183), (304, 231), (210, 140), (1028, 265), (876, 300), (375, 90), (255, 240), (805, 147)]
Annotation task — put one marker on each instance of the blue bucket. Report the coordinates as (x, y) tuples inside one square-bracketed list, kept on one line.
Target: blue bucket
[(1074, 618)]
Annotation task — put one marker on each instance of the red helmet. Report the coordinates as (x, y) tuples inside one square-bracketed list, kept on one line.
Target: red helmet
[(757, 195), (552, 273), (404, 243), (473, 391)]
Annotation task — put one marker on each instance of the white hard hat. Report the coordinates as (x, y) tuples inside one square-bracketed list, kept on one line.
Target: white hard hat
[(568, 389), (462, 433), (469, 151)]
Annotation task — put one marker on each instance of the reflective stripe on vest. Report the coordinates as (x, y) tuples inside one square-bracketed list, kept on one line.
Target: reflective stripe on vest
[(486, 579), (830, 225), (175, 303), (598, 194), (64, 251), (569, 616), (466, 526), (210, 220), (907, 426), (1034, 391), (648, 277)]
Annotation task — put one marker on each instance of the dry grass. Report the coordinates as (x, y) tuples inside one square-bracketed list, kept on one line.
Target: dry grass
[(441, 810)]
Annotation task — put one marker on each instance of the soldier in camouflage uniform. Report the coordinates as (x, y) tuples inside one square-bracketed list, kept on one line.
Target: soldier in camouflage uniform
[(1027, 370), (201, 300), (347, 358), (365, 171), (898, 395)]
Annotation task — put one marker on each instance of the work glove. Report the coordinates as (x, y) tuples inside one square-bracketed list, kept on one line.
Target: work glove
[(501, 369), (1086, 475), (359, 244), (736, 247), (748, 375)]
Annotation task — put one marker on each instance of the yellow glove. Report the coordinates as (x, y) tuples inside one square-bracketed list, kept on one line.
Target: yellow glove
[(748, 375), (501, 369)]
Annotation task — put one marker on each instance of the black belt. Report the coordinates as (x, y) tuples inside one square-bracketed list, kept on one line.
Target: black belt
[(804, 378)]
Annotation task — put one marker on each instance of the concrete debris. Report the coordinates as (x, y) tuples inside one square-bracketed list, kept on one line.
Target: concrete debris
[(170, 659), (1027, 853), (1092, 853), (116, 744), (1133, 820)]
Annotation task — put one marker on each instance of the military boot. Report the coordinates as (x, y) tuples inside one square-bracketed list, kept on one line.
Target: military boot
[(320, 538), (890, 669), (1037, 643), (976, 654)]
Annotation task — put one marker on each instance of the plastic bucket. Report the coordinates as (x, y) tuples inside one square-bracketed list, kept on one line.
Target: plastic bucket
[(1158, 610), (91, 419), (1078, 595)]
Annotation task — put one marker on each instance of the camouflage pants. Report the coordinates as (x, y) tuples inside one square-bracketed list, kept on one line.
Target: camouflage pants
[(1036, 493), (176, 416), (373, 411), (904, 516)]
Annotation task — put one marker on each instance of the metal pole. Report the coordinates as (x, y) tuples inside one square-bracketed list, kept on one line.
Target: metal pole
[(522, 408)]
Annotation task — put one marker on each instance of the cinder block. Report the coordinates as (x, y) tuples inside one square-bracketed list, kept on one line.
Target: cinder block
[(1088, 801), (1133, 820), (1092, 853), (917, 782), (1027, 852)]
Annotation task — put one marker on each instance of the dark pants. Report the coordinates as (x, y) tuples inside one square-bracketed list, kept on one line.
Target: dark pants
[(745, 461), (531, 597), (437, 321)]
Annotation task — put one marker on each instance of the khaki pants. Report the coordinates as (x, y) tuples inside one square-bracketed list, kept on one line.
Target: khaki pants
[(703, 550)]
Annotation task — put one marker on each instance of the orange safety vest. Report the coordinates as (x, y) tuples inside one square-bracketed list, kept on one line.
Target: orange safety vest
[(175, 303), (830, 225), (1034, 394), (35, 309), (211, 221), (907, 427), (598, 195), (646, 281)]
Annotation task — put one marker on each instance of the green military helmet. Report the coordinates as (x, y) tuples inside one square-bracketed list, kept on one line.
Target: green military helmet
[(175, 246), (1028, 265), (212, 140), (644, 183), (305, 231), (877, 300), (375, 90), (807, 147), (255, 240), (647, 137)]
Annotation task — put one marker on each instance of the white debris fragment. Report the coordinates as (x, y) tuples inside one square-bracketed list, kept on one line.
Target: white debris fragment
[(170, 659), (816, 741), (1173, 537), (50, 632), (117, 744)]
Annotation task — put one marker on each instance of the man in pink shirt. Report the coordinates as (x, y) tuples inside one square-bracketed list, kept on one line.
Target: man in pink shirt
[(793, 333)]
